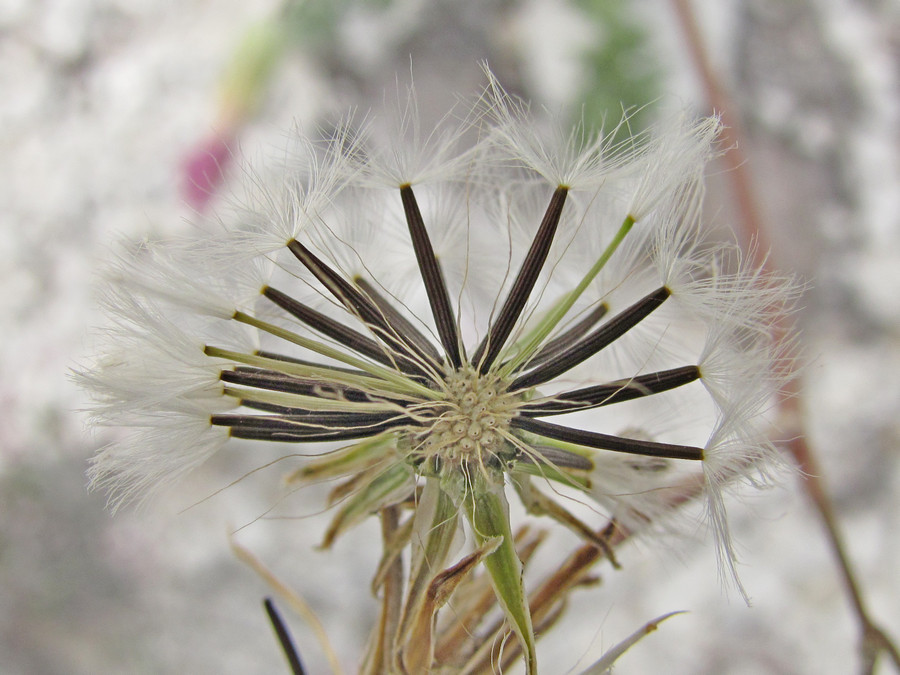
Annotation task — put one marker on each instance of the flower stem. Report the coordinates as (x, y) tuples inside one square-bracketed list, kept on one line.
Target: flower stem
[(537, 335), (488, 513)]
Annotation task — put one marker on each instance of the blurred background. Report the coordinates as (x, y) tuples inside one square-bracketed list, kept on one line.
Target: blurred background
[(109, 114)]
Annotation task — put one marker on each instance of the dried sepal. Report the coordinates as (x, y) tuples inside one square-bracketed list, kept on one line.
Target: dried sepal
[(379, 657), (605, 664), (394, 543), (349, 460), (437, 521), (387, 487), (418, 651), (539, 504), (473, 602)]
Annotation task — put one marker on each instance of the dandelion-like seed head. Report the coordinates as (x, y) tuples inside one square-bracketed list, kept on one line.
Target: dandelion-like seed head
[(468, 428), (577, 282)]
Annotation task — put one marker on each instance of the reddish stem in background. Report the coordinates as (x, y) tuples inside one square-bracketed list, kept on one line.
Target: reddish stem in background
[(873, 639)]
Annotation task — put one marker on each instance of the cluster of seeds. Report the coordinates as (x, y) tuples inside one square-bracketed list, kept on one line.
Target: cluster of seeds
[(471, 425)]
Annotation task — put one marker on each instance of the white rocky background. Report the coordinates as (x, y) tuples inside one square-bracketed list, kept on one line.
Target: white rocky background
[(101, 101)]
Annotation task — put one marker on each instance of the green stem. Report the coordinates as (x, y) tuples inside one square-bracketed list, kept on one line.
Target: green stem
[(488, 513), (533, 340)]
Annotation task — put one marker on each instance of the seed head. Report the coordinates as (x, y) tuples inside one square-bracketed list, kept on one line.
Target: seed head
[(546, 327)]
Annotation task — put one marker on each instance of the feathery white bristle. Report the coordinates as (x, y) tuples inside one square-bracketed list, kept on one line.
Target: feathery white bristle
[(151, 457), (414, 155), (578, 158), (676, 154), (159, 274)]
